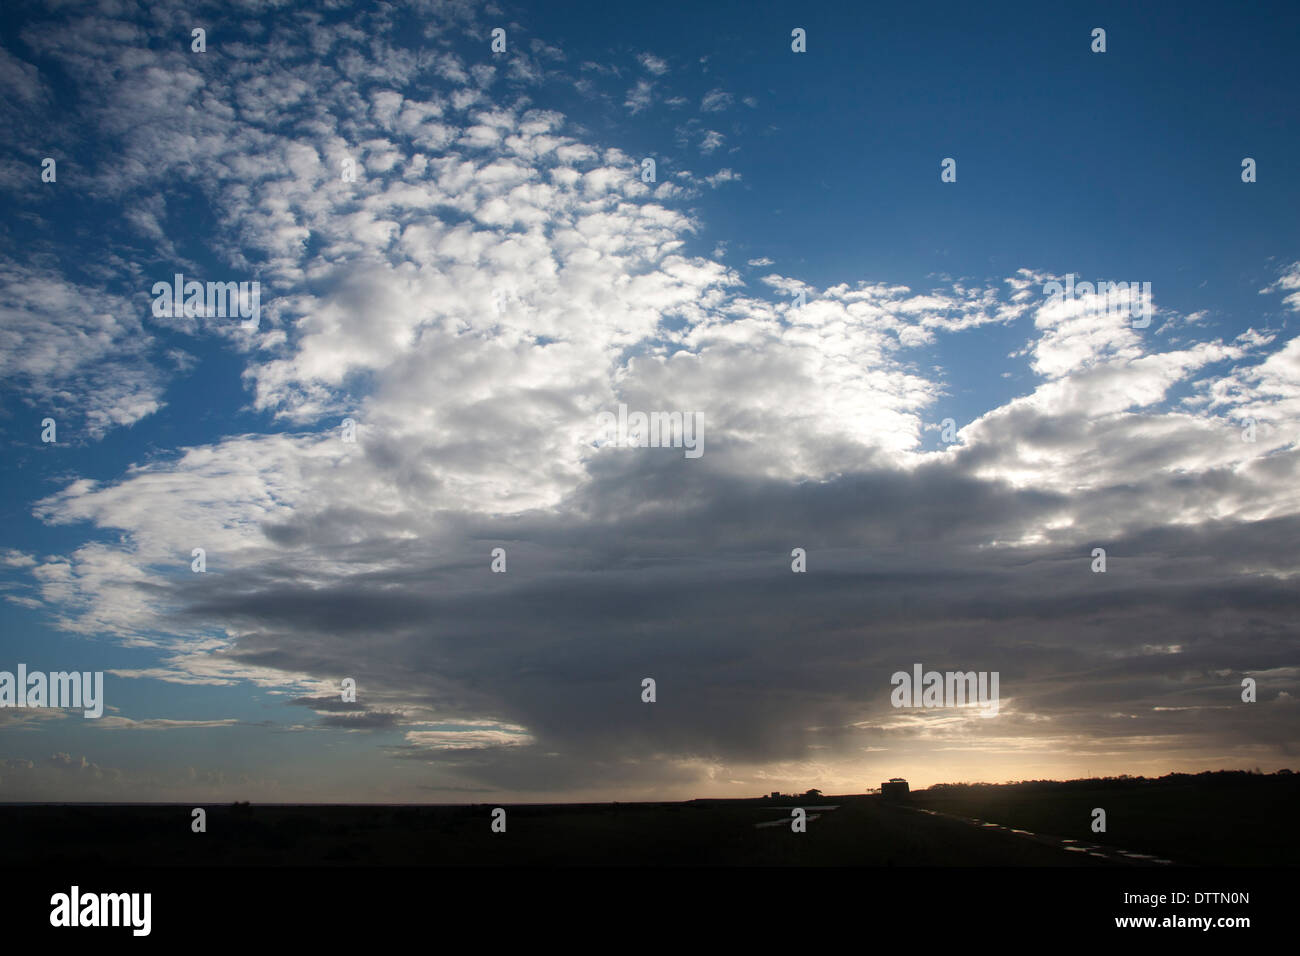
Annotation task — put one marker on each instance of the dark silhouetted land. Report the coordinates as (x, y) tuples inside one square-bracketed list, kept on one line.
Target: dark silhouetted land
[(1225, 818)]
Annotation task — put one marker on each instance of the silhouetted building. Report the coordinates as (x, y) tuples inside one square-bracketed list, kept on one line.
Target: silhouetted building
[(895, 791)]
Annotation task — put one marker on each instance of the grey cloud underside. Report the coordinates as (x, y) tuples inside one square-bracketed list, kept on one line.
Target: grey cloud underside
[(755, 663)]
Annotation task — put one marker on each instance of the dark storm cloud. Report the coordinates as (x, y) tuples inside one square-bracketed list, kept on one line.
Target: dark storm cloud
[(755, 663)]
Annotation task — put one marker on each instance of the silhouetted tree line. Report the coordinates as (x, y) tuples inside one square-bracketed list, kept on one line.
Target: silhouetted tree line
[(1206, 777)]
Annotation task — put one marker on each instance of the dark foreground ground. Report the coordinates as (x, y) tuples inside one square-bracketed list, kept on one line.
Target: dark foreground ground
[(1234, 819), (1208, 819)]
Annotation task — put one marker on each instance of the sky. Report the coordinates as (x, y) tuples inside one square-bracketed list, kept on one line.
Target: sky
[(840, 267)]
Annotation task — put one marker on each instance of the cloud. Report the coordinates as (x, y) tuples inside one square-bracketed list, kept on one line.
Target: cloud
[(652, 64), (711, 140), (722, 176), (1288, 282), (76, 353), (370, 720), (715, 101), (640, 97), (126, 723), (423, 744)]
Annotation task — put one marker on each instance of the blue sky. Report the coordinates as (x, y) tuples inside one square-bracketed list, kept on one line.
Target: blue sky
[(499, 274)]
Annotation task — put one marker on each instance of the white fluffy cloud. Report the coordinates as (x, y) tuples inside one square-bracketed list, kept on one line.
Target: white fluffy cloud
[(78, 353)]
